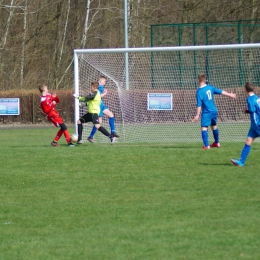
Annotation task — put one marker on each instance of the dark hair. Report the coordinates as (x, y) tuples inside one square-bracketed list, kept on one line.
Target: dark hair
[(249, 87), (102, 77)]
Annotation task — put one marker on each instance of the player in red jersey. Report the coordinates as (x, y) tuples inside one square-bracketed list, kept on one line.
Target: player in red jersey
[(48, 102)]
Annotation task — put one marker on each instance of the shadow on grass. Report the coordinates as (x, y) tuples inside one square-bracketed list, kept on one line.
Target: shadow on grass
[(173, 147), (42, 146), (224, 164)]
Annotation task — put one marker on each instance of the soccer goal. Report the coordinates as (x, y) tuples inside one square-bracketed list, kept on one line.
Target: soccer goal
[(151, 91)]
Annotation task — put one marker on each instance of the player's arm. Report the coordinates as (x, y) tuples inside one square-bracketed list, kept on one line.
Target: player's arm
[(250, 108), (232, 95), (55, 98), (87, 98), (198, 111), (199, 104), (246, 111)]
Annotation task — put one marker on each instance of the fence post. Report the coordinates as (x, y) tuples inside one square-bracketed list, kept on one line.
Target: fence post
[(33, 117)]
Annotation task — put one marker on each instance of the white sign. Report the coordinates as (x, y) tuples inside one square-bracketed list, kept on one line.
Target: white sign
[(9, 106), (159, 101)]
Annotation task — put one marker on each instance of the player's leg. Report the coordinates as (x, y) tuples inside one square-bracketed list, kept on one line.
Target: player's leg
[(108, 113), (100, 128), (205, 122), (84, 119), (252, 134), (204, 136), (63, 128), (80, 128), (57, 138), (94, 129), (52, 118), (246, 150), (65, 131), (215, 132)]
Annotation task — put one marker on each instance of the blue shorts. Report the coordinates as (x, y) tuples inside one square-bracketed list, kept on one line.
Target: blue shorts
[(253, 133), (208, 119), (102, 108)]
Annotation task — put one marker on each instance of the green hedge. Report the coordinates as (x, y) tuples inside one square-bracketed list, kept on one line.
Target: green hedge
[(30, 110)]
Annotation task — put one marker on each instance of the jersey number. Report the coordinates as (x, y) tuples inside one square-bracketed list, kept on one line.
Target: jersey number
[(209, 94)]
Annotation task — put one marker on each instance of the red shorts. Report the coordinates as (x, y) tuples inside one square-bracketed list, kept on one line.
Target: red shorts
[(55, 118)]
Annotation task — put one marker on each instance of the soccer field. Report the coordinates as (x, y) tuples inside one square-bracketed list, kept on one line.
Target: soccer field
[(172, 132), (127, 200)]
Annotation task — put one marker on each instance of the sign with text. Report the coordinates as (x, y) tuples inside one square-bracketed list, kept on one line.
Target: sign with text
[(159, 101), (9, 106)]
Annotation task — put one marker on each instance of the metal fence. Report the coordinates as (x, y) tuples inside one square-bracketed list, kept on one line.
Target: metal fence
[(226, 32), (192, 34)]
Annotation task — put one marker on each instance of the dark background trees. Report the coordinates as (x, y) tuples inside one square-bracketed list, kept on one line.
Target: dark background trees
[(38, 36)]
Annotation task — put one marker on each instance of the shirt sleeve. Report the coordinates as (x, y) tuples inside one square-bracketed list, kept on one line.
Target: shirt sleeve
[(56, 99), (199, 103), (250, 106), (101, 89), (217, 91), (91, 96)]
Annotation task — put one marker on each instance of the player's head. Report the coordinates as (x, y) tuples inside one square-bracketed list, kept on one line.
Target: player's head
[(43, 88), (94, 86), (202, 78), (102, 80), (249, 87)]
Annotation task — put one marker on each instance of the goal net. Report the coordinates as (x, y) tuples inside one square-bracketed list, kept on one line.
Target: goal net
[(152, 91)]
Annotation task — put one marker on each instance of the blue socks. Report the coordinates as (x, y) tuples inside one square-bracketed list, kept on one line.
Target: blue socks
[(204, 135), (216, 135), (112, 127), (94, 130), (244, 153), (112, 124)]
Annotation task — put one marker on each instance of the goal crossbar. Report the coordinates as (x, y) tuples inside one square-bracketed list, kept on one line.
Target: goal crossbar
[(174, 48)]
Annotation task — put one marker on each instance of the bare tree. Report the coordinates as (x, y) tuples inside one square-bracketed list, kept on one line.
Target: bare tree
[(23, 44), (8, 23), (38, 36), (59, 51), (88, 21)]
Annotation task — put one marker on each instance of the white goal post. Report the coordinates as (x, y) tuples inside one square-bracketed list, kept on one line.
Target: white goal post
[(141, 106)]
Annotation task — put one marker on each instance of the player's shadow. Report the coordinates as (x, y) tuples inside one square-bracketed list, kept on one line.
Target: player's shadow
[(225, 164), (24, 146), (37, 146), (172, 147)]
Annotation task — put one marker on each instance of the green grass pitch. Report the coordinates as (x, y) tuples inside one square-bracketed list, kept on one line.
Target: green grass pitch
[(126, 201)]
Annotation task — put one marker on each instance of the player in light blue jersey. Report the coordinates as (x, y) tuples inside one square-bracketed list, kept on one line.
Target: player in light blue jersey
[(209, 113), (253, 108), (103, 111)]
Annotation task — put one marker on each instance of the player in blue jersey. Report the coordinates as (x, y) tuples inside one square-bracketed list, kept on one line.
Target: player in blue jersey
[(103, 111), (207, 108), (253, 108)]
